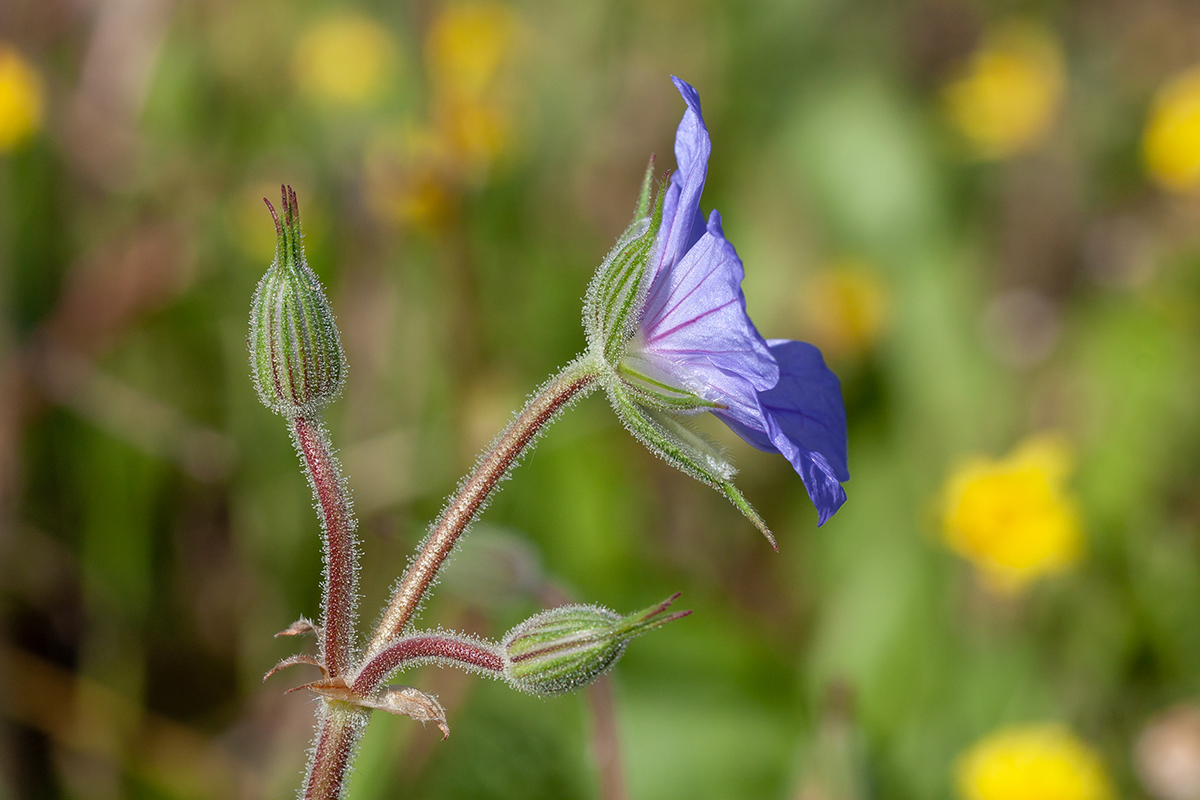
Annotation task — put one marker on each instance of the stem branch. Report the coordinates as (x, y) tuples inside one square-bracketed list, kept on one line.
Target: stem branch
[(578, 378), (438, 648)]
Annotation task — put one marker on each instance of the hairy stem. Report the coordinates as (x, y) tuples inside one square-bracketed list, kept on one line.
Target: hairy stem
[(338, 733), (473, 493), (340, 592), (438, 648)]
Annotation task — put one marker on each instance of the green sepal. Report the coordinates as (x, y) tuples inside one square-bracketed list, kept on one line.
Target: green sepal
[(612, 305), (643, 203), (651, 393), (684, 449)]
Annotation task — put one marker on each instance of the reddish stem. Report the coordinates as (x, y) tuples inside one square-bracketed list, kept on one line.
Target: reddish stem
[(446, 649), (578, 378), (337, 521), (337, 735)]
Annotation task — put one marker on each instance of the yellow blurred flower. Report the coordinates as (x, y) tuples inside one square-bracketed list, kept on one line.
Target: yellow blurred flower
[(344, 60), (413, 174), (845, 307), (1012, 518), (477, 132), (20, 99), (467, 45), (1171, 143), (466, 49), (1032, 762), (1009, 93), (406, 180)]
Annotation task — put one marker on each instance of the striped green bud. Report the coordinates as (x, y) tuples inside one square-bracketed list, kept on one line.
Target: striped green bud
[(296, 356), (565, 648)]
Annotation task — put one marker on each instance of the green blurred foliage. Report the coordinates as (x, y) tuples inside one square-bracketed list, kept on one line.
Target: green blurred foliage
[(155, 530)]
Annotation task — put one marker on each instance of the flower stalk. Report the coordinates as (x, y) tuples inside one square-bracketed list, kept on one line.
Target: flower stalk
[(578, 379), (440, 649), (339, 595)]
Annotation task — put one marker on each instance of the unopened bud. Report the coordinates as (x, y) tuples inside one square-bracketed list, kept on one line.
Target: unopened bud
[(296, 355), (568, 647)]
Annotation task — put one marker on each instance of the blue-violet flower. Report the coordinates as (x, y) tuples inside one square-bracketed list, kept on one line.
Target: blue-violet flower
[(667, 316)]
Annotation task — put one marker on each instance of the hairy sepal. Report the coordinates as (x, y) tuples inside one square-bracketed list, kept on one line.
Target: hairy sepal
[(660, 392), (684, 449), (613, 303)]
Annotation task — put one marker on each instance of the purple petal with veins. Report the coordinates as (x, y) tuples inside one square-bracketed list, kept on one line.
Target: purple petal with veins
[(683, 224), (803, 418), (695, 333)]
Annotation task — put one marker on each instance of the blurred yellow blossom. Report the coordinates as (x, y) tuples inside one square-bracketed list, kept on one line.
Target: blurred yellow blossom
[(845, 307), (1171, 144), (413, 173), (1012, 518), (1032, 762), (344, 59), (406, 180), (466, 49), (479, 131), (467, 45), (1009, 93), (20, 99)]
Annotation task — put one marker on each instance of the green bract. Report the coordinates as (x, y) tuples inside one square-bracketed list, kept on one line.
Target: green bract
[(296, 356)]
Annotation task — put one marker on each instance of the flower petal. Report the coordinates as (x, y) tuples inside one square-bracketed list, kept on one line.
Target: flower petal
[(822, 486), (695, 325), (683, 225), (803, 419), (807, 403)]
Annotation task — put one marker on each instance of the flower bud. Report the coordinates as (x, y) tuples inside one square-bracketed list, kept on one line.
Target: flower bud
[(296, 356), (568, 647)]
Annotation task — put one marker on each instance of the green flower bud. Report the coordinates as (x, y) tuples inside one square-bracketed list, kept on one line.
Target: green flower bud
[(564, 648), (296, 356)]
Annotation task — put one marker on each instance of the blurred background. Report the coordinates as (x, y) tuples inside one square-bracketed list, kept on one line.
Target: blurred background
[(987, 214)]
